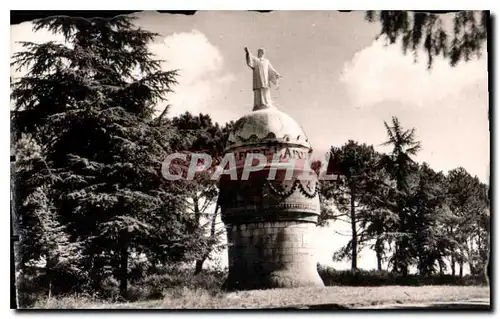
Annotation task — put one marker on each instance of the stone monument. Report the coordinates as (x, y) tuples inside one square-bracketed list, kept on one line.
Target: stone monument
[(270, 220)]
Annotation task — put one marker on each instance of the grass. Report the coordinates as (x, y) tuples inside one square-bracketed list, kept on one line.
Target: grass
[(188, 298), (177, 288)]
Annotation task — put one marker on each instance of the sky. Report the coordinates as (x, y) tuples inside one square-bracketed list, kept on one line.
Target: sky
[(339, 83)]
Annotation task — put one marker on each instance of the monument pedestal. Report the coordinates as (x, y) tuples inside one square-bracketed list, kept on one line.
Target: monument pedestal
[(272, 255)]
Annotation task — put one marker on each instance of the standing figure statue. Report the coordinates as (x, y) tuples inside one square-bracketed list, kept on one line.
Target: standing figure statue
[(263, 75)]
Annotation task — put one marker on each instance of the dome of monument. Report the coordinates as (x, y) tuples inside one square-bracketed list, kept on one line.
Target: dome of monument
[(268, 125)]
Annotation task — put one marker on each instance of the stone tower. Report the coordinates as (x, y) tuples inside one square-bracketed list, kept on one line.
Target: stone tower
[(270, 222), (271, 216)]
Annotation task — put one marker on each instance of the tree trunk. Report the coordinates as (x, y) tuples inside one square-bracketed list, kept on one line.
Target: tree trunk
[(441, 270), (123, 271), (50, 289), (470, 254), (51, 274), (479, 251), (420, 265), (199, 263), (378, 252), (395, 258), (472, 269), (354, 253), (452, 264), (197, 214), (404, 270), (398, 242), (401, 265), (461, 269), (452, 257)]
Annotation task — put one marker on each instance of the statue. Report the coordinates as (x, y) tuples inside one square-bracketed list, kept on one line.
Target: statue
[(263, 75), (270, 216)]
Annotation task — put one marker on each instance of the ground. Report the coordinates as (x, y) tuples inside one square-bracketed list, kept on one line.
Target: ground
[(327, 297)]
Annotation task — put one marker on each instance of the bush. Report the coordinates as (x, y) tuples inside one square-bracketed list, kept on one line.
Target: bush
[(170, 280), (332, 277), (153, 284), (34, 283)]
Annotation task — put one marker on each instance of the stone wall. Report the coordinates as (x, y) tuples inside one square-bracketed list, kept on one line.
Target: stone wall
[(272, 255)]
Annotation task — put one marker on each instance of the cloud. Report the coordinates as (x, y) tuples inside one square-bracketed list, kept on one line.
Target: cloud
[(381, 73), (202, 79)]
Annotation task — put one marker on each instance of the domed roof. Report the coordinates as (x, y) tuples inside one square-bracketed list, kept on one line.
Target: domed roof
[(268, 125)]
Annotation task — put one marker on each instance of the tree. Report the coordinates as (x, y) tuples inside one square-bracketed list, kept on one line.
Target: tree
[(201, 135), (356, 164), (428, 206), (402, 168), (468, 201), (425, 30), (377, 216), (89, 104), (42, 236)]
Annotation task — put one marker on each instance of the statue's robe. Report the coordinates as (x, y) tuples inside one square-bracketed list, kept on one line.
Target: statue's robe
[(263, 75)]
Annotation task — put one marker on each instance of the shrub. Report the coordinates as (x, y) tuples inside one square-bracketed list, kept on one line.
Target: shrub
[(151, 284), (332, 277), (169, 280)]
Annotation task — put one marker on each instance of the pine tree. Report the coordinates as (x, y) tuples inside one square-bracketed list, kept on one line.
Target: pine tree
[(427, 202), (201, 135), (378, 216), (43, 239), (357, 166), (424, 31), (90, 104), (468, 202), (402, 169)]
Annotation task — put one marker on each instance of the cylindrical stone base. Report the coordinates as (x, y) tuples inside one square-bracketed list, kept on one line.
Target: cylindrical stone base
[(272, 255)]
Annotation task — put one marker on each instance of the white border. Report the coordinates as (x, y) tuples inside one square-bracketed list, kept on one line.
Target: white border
[(188, 5)]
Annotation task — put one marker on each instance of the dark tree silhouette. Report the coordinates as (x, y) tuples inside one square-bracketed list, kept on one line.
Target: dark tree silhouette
[(357, 165), (467, 199), (426, 31), (89, 105), (200, 134), (401, 167)]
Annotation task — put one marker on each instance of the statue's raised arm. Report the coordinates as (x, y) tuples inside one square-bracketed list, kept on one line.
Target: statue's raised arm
[(263, 75), (249, 58)]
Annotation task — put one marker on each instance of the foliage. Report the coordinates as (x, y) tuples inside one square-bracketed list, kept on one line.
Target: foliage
[(89, 105), (468, 226), (429, 237), (357, 166), (43, 237), (401, 168), (156, 283), (200, 135), (332, 277), (424, 30), (406, 212)]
